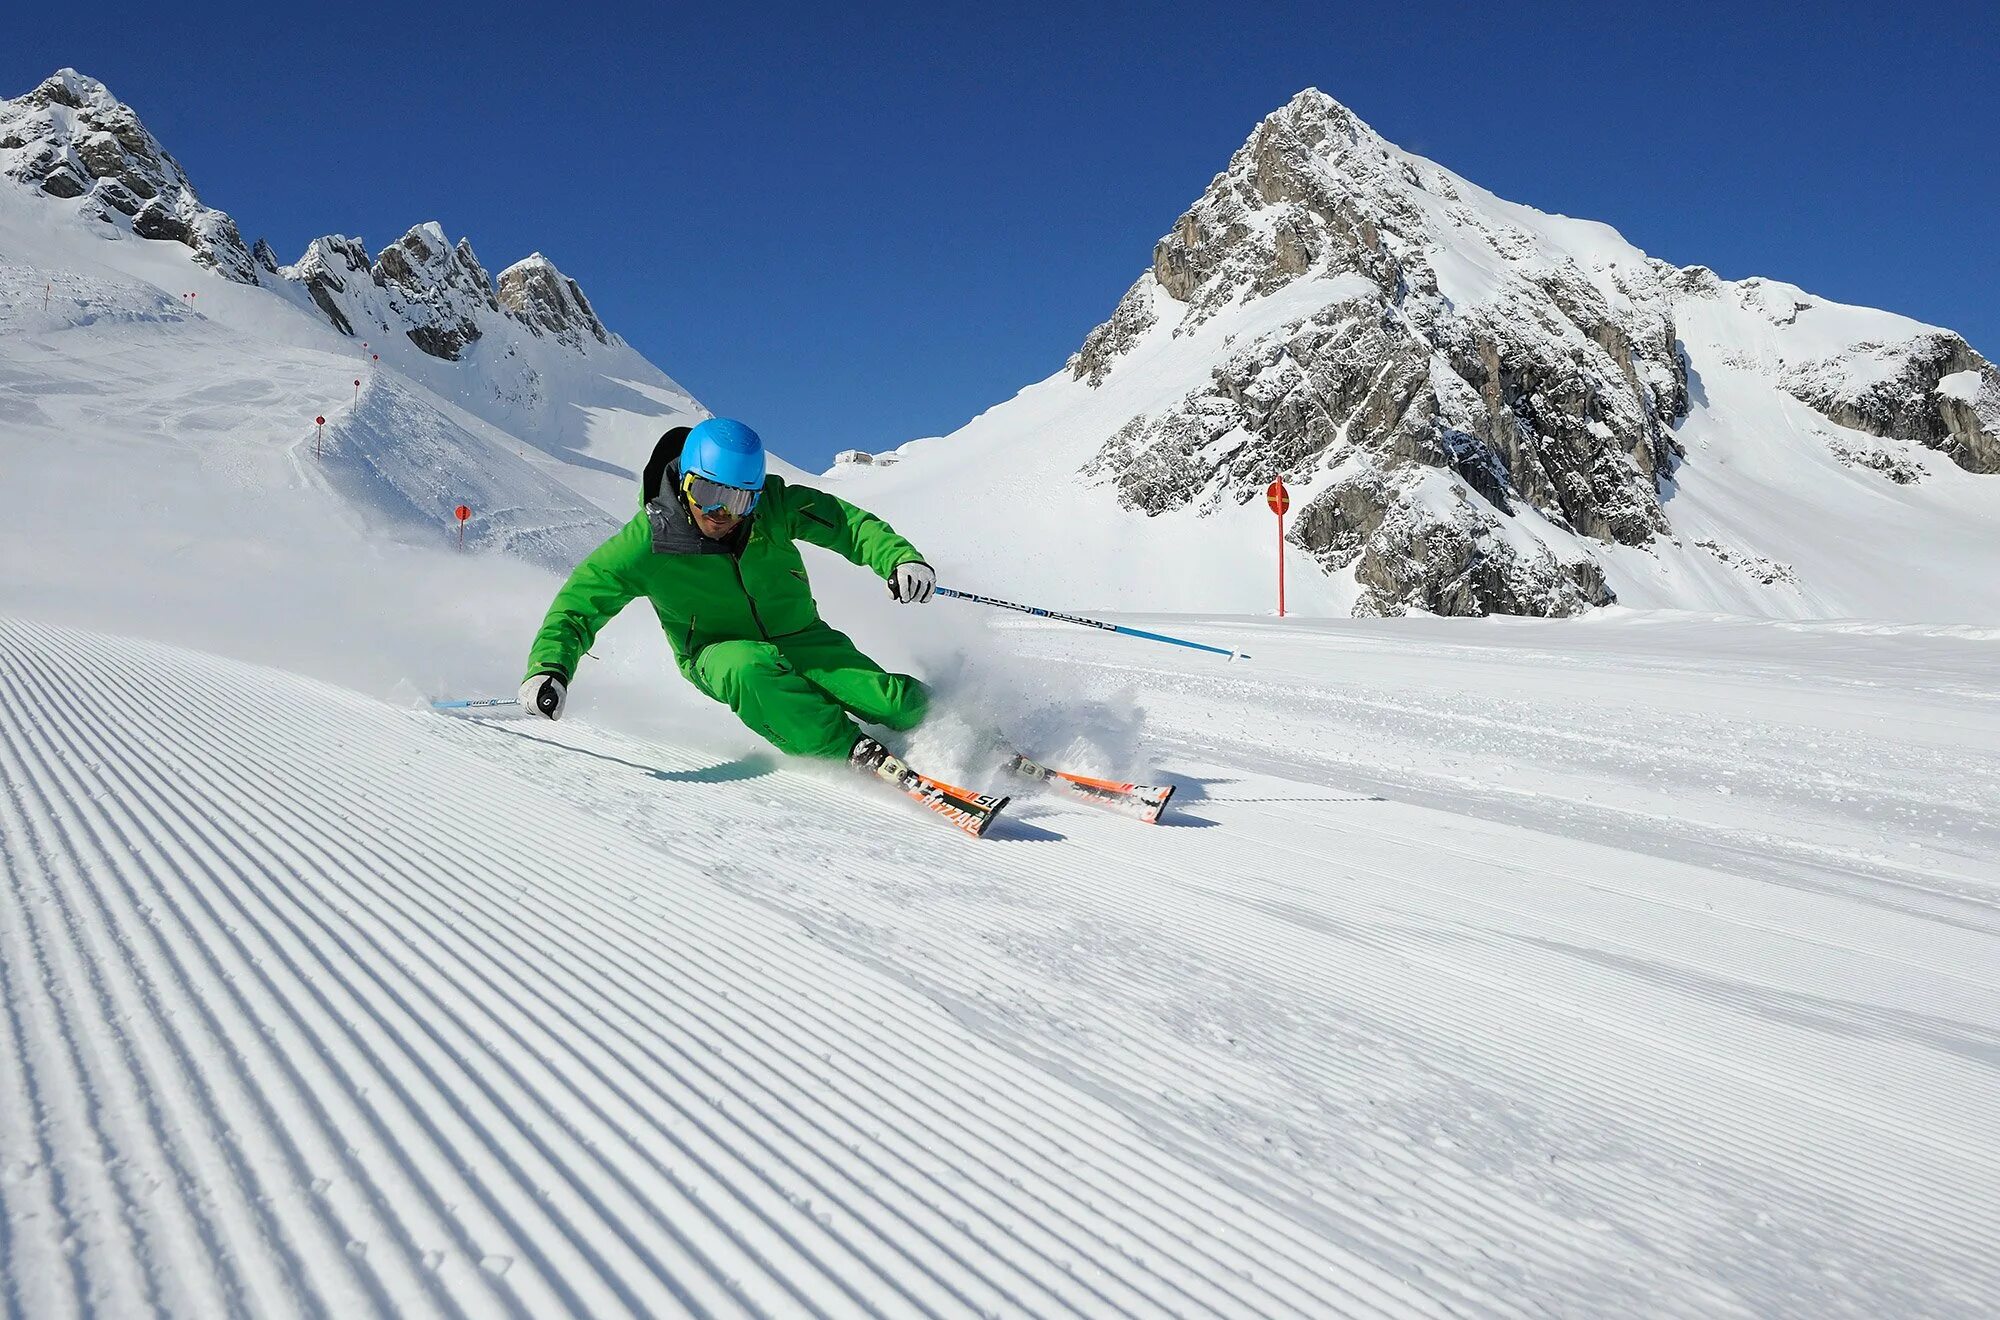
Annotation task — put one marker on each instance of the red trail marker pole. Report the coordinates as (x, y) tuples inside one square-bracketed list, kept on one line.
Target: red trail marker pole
[(318, 435), (1279, 499), (461, 513), (357, 391)]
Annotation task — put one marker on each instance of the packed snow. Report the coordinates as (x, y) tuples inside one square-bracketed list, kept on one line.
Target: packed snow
[(1961, 385), (1637, 964)]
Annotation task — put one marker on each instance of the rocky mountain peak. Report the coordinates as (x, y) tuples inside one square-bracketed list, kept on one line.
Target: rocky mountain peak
[(439, 295), (71, 138), (435, 289), (1313, 191), (549, 302), (1310, 126), (67, 87), (1471, 393)]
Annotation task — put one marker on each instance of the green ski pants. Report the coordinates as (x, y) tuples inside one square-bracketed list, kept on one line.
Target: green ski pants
[(799, 690)]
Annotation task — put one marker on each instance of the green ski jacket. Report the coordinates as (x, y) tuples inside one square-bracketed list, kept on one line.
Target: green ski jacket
[(750, 586)]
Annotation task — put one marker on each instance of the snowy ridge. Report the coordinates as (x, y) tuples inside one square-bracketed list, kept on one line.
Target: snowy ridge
[(527, 359), (71, 138), (405, 462), (184, 433)]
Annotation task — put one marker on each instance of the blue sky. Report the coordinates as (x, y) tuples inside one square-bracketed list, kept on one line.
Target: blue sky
[(855, 228)]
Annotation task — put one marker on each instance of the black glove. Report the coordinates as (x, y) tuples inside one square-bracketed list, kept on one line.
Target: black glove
[(543, 695)]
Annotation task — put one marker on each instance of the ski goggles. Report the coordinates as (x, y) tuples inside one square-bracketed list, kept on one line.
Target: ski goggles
[(714, 497)]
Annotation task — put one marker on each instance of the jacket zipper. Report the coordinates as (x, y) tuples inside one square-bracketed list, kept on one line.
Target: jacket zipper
[(736, 562)]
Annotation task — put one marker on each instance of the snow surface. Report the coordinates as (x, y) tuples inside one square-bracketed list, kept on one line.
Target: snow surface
[(1960, 385), (1641, 964)]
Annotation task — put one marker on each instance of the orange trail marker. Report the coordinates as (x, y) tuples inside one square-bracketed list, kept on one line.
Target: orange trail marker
[(1279, 499)]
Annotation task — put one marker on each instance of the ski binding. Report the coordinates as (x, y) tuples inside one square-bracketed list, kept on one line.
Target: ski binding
[(1140, 801), (968, 811)]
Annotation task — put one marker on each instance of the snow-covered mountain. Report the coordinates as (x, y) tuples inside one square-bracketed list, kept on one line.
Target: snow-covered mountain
[(1630, 964), (1479, 408), (70, 138), (441, 385)]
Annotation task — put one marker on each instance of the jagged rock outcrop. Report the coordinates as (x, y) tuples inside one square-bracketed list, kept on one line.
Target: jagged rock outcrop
[(1900, 393), (1133, 317), (329, 270), (71, 138), (440, 297), (1474, 392), (548, 302), (434, 290)]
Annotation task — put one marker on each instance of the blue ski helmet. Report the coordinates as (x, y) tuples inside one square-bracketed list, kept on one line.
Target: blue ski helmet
[(724, 451)]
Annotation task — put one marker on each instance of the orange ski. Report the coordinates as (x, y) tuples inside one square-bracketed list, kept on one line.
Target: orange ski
[(1141, 801)]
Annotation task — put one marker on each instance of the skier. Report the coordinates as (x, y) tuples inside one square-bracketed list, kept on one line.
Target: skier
[(712, 548)]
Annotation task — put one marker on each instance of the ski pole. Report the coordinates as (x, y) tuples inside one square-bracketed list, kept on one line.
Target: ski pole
[(477, 701), (1089, 623)]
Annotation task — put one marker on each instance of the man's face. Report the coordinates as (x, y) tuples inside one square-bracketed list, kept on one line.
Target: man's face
[(715, 526)]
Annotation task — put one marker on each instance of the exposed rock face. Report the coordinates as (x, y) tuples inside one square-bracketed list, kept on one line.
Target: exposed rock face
[(1133, 317), (1898, 396), (71, 138), (548, 302), (328, 270), (435, 290), (440, 296), (1489, 391)]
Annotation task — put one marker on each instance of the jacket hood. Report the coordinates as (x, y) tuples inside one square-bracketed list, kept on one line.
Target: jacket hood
[(663, 465)]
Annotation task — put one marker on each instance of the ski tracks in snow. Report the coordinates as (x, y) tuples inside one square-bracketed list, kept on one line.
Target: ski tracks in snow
[(1536, 1076), (309, 1010), (314, 1006)]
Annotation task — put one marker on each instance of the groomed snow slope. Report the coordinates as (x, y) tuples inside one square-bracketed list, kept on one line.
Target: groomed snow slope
[(1639, 965), (1643, 966), (124, 402)]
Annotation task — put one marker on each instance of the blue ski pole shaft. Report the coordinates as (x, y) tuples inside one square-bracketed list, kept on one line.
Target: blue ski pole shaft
[(1040, 613), (478, 701)]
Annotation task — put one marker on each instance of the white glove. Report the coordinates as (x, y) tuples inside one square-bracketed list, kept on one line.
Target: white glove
[(913, 582), (543, 695)]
